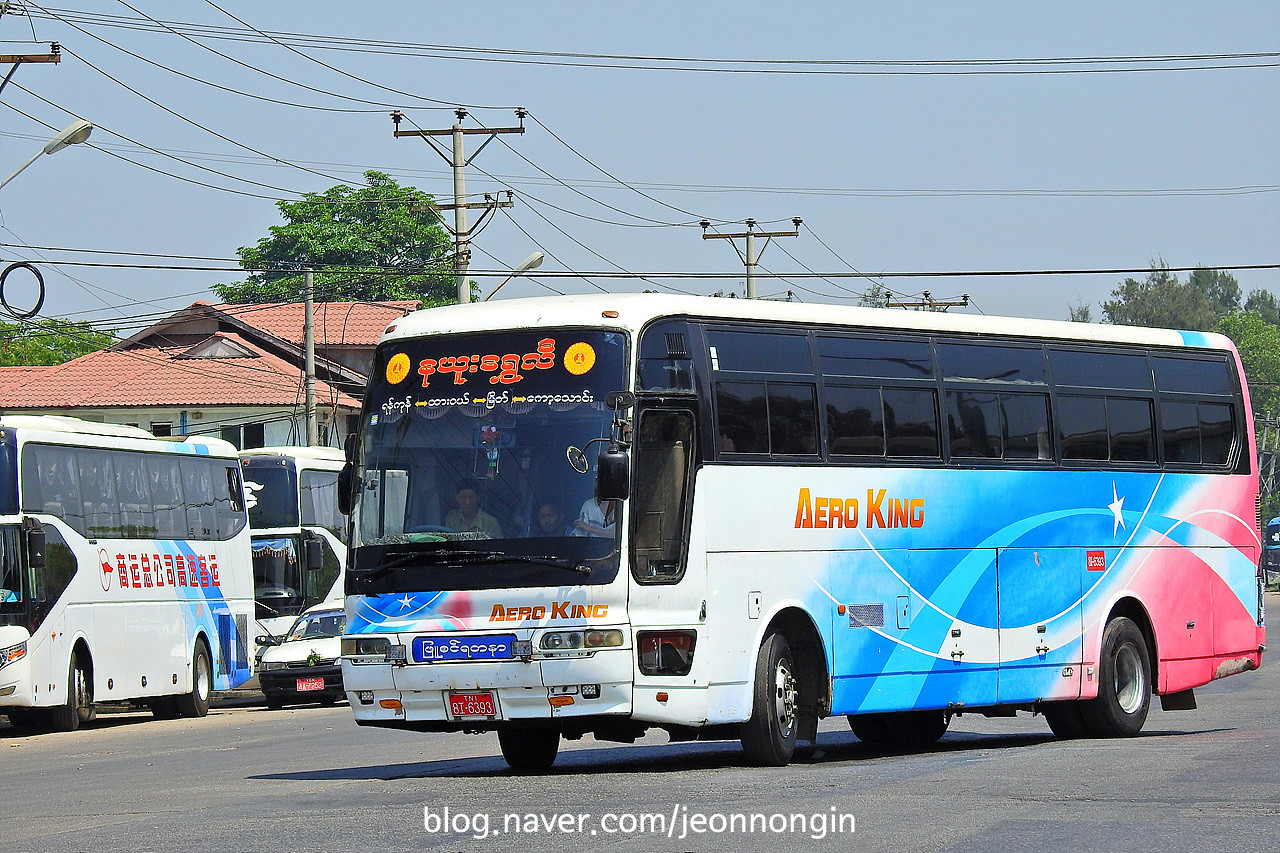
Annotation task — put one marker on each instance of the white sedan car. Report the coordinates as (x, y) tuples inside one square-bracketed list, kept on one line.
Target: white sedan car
[(302, 665)]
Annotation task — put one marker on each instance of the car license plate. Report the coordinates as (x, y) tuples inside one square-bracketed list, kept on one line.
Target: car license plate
[(305, 684), (472, 705)]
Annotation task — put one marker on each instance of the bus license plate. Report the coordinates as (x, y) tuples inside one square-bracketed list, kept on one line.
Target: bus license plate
[(305, 684), (472, 705)]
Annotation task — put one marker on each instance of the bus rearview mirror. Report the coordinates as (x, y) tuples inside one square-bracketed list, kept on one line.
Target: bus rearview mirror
[(612, 481), (35, 547)]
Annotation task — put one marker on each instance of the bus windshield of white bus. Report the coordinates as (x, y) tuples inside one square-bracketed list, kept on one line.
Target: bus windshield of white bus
[(464, 479)]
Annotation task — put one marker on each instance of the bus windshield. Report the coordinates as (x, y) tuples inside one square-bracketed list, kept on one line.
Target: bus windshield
[(465, 477)]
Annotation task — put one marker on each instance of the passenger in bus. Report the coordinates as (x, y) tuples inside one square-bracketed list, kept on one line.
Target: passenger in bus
[(469, 518), (595, 519), (551, 521)]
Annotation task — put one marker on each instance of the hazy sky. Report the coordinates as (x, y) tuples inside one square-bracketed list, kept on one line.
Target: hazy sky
[(889, 127)]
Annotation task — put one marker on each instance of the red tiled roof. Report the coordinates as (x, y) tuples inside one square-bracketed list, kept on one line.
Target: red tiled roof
[(336, 323), (154, 376)]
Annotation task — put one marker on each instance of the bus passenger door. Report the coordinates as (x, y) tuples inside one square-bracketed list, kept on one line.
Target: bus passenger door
[(1041, 622), (668, 588)]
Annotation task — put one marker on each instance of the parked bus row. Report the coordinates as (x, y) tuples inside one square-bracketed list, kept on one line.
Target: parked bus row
[(133, 570)]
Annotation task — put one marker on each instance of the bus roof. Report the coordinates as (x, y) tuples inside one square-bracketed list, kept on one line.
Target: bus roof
[(69, 426), (633, 310), (307, 454)]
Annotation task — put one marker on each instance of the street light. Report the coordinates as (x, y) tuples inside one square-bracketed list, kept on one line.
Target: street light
[(532, 262), (77, 131)]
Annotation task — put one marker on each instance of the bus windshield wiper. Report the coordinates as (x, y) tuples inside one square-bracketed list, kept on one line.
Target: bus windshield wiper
[(471, 557)]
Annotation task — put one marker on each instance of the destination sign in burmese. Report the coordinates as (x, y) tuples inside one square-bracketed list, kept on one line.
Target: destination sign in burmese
[(539, 366)]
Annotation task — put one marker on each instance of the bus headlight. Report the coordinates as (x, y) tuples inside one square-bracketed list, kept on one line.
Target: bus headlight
[(13, 653), (361, 646), (559, 641)]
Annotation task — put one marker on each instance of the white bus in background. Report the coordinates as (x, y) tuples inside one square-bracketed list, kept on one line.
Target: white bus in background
[(298, 536), (125, 573)]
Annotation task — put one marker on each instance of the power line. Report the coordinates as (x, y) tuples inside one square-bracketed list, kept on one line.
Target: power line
[(1014, 65)]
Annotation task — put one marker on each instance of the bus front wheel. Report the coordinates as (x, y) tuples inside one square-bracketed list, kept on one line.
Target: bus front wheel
[(196, 703), (529, 750), (1124, 683), (79, 705), (769, 737)]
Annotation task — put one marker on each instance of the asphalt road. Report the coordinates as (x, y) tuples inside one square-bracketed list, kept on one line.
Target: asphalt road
[(308, 779)]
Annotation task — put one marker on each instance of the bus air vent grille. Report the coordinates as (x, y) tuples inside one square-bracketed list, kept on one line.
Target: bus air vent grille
[(866, 615)]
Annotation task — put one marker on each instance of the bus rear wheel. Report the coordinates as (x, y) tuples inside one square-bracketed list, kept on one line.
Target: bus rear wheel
[(196, 703), (901, 729), (1124, 683), (529, 750), (769, 737)]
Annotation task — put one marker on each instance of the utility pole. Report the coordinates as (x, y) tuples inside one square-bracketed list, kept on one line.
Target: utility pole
[(750, 259), (309, 356), (459, 161), (15, 59), (928, 303)]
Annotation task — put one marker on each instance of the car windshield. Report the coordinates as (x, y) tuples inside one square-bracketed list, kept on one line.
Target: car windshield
[(313, 626), (466, 480)]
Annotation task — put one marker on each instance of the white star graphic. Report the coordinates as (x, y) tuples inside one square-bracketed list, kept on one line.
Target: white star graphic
[(407, 601), (1117, 507)]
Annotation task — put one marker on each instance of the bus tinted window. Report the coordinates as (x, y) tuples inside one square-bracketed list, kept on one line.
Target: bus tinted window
[(1092, 369), (1192, 375), (793, 419), (875, 358), (1026, 426), (1217, 430), (910, 422), (319, 501), (743, 417), (759, 352), (973, 425), (855, 421), (985, 363), (1082, 427), (1131, 430)]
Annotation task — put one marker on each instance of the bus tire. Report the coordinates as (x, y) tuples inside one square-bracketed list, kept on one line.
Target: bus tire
[(196, 703), (1065, 719), (78, 708), (529, 750), (164, 708), (769, 737), (27, 719), (1124, 683), (900, 729)]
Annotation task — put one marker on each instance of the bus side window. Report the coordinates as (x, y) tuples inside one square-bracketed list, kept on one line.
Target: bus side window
[(49, 582)]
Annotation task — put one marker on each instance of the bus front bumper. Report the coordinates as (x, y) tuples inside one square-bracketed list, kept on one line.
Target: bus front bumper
[(460, 695)]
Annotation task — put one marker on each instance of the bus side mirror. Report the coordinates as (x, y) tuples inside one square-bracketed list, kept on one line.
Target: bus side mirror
[(612, 480), (312, 555), (345, 499), (35, 547)]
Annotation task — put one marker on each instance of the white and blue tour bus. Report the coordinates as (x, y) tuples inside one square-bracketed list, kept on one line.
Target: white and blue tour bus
[(731, 519), (124, 571)]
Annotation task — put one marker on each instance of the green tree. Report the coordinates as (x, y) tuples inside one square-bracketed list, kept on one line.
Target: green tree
[(1259, 344), (366, 232), (1161, 300), (1220, 287), (47, 342), (1081, 312), (1264, 304)]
